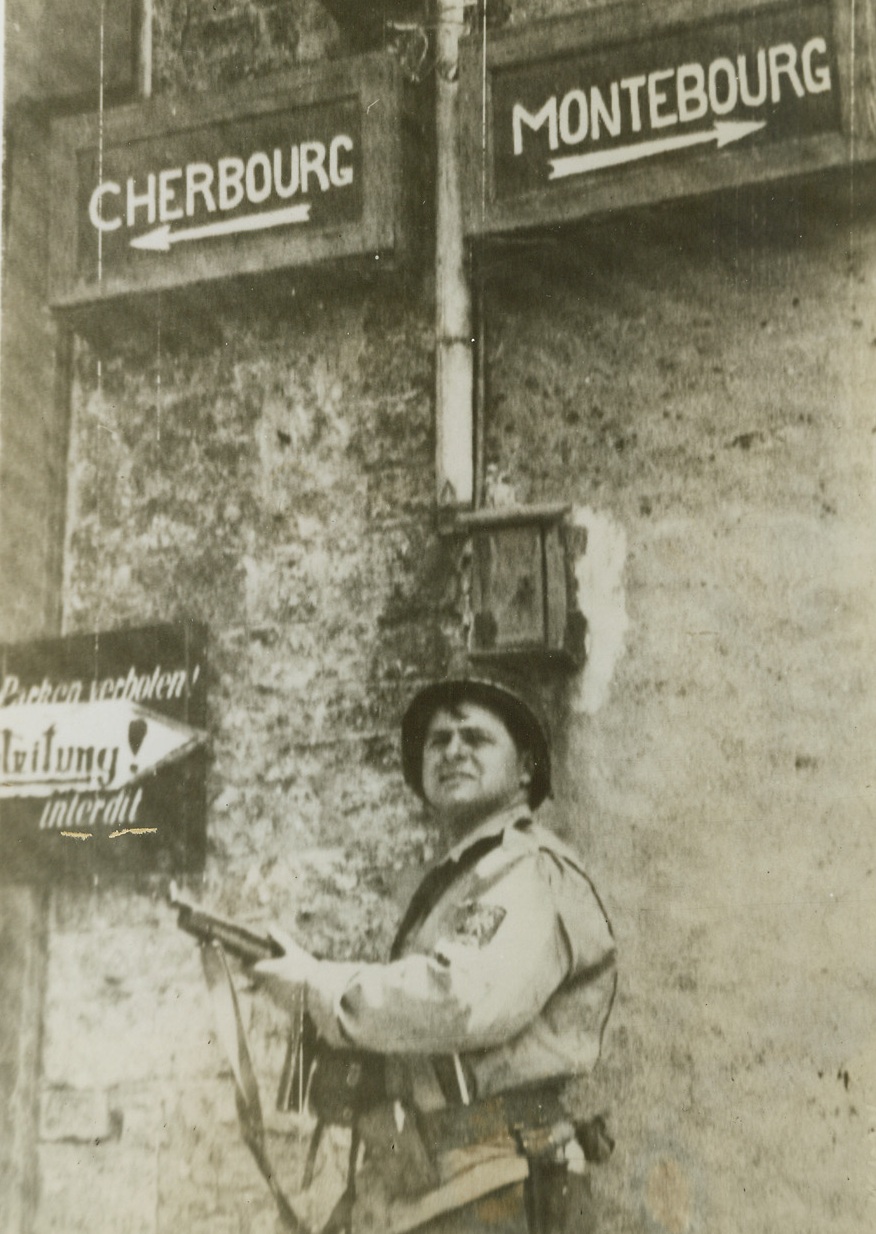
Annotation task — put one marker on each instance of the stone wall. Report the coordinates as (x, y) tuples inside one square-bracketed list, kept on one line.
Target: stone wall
[(702, 375), (695, 381), (275, 484)]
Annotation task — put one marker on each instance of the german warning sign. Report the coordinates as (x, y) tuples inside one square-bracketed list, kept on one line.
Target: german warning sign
[(588, 116), (85, 747), (102, 751)]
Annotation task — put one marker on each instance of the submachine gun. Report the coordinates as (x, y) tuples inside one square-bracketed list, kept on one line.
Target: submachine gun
[(336, 1085), (249, 946)]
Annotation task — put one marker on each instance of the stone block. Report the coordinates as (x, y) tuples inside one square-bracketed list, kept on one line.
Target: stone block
[(138, 1111), (409, 651), (207, 1177), (127, 901), (78, 1115), (125, 1006), (396, 493), (395, 429), (96, 1187)]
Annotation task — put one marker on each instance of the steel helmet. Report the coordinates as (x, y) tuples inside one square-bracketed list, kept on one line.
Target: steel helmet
[(503, 694)]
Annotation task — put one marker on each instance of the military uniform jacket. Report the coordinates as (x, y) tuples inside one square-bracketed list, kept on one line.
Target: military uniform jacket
[(504, 959)]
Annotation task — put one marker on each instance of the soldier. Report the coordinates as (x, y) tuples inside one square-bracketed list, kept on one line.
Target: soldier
[(499, 984)]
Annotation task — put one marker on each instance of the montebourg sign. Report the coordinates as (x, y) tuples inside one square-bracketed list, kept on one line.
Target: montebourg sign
[(620, 107)]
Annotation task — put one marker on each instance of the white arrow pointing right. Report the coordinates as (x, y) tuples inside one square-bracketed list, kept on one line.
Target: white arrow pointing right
[(723, 133), (48, 748)]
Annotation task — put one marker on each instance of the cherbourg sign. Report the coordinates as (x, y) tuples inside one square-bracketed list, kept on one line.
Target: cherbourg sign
[(294, 170), (213, 193), (620, 107)]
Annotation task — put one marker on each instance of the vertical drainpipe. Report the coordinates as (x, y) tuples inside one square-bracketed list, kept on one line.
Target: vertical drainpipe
[(454, 395), (144, 50)]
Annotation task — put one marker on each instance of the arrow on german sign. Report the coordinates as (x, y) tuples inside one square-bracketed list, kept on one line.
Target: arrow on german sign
[(723, 133), (161, 238), (48, 748)]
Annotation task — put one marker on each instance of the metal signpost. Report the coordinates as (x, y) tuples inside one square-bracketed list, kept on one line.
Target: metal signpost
[(102, 761), (625, 107)]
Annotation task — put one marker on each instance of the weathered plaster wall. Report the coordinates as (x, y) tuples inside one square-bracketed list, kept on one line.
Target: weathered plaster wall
[(700, 378), (704, 376), (275, 484)]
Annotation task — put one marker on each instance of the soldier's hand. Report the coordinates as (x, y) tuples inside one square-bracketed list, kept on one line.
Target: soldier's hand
[(285, 979)]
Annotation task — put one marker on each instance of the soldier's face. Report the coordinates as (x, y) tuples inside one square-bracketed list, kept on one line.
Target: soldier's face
[(471, 764)]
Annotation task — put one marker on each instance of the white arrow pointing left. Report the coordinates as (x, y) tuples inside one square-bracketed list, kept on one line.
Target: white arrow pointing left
[(722, 134), (48, 748), (161, 238)]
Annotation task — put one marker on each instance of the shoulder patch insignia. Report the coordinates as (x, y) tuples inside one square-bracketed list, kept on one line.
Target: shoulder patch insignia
[(475, 923)]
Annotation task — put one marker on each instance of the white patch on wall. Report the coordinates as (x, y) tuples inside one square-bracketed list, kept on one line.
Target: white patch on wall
[(599, 573)]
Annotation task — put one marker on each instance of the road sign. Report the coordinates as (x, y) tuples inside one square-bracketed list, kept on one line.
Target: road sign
[(102, 752), (622, 106), (101, 747), (299, 169)]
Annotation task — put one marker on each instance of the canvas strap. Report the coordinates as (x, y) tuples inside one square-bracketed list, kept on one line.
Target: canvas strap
[(232, 1036)]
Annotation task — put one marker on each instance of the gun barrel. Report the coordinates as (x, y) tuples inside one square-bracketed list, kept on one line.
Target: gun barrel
[(245, 944)]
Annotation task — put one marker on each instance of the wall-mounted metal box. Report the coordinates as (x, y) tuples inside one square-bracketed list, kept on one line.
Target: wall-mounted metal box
[(522, 584)]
